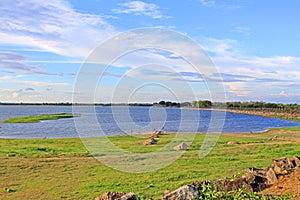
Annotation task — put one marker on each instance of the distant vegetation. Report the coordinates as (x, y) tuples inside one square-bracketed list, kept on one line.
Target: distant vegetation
[(193, 104), (239, 105), (167, 104), (261, 105), (37, 118)]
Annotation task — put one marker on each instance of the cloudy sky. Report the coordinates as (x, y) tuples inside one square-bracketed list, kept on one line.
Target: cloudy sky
[(253, 44)]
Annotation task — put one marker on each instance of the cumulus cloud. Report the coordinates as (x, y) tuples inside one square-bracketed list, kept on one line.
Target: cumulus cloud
[(275, 74), (52, 26), (140, 8)]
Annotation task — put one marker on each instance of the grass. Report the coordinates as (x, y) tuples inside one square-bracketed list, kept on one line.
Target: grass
[(38, 118), (63, 168)]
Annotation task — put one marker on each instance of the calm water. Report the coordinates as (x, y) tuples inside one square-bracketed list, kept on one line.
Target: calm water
[(126, 120)]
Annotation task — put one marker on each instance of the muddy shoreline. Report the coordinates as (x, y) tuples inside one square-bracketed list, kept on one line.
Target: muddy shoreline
[(287, 114)]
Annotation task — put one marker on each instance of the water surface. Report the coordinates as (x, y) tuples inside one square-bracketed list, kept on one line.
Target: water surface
[(127, 120)]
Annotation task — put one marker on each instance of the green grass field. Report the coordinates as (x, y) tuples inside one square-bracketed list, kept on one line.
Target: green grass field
[(64, 169), (38, 118)]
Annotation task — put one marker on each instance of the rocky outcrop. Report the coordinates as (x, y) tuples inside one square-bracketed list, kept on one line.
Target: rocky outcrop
[(284, 165), (117, 196), (183, 193), (255, 180)]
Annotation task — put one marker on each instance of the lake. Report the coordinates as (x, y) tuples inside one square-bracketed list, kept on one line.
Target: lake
[(117, 120)]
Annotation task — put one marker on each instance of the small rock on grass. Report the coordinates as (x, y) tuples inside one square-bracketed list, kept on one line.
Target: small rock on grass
[(117, 196), (232, 143), (182, 193), (150, 141), (8, 190), (181, 146)]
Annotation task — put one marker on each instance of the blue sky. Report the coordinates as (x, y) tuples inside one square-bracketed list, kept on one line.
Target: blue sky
[(254, 45)]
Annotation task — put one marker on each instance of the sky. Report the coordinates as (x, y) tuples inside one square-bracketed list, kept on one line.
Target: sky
[(46, 48)]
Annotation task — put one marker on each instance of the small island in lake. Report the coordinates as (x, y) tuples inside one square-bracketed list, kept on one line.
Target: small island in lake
[(38, 118)]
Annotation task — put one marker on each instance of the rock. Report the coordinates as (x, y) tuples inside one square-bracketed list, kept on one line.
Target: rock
[(117, 196), (296, 161), (150, 141), (274, 138), (282, 165), (199, 185), (183, 193), (181, 146), (129, 196), (232, 143), (257, 179), (271, 176), (166, 192), (156, 134), (111, 196)]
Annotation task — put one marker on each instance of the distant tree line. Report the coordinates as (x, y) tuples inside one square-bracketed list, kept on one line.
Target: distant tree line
[(193, 104), (202, 104), (167, 104), (243, 105)]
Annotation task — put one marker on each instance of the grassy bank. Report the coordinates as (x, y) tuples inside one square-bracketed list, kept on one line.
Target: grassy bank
[(38, 118), (63, 168)]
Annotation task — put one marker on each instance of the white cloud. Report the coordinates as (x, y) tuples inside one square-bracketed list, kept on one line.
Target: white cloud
[(242, 30), (224, 4), (140, 8), (22, 95), (11, 79), (221, 47), (14, 63), (40, 83), (15, 94), (244, 75), (52, 26), (207, 3), (272, 75)]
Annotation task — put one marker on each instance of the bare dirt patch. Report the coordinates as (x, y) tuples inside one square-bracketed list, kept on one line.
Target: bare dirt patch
[(288, 184)]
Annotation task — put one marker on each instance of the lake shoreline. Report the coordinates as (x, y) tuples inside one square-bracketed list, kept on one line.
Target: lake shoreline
[(292, 115), (175, 120)]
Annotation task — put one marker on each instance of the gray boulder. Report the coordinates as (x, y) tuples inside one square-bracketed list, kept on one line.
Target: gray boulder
[(187, 192)]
